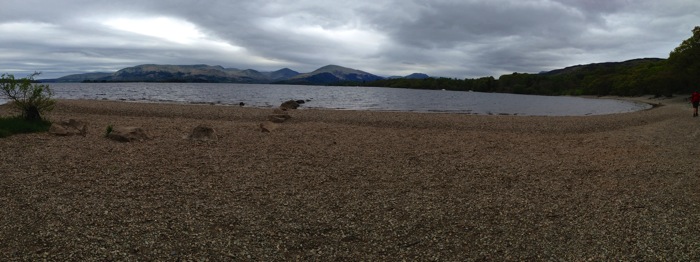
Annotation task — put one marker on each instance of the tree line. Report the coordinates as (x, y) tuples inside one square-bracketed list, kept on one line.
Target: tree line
[(680, 73)]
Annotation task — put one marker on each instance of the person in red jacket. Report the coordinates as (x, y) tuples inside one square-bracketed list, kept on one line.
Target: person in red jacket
[(695, 100)]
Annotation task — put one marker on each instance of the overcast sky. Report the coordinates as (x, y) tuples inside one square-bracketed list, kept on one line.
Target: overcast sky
[(458, 38)]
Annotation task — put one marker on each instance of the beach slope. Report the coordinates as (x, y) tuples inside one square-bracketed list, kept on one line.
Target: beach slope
[(353, 185)]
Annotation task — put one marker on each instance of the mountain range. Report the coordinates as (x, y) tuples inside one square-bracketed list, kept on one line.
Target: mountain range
[(326, 75), (330, 74)]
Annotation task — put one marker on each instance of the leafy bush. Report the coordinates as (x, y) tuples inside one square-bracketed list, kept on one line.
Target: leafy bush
[(109, 130), (18, 125), (31, 98)]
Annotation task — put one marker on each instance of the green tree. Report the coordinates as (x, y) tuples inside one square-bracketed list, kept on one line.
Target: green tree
[(31, 98), (685, 59)]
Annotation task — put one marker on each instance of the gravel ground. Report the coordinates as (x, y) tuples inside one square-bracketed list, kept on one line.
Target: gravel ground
[(331, 185)]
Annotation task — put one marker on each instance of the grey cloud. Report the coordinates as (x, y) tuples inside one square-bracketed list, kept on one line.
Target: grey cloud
[(466, 38), (445, 24), (598, 6)]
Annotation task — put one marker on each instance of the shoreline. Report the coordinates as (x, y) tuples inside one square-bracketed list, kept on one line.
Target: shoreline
[(353, 185), (641, 100), (566, 105)]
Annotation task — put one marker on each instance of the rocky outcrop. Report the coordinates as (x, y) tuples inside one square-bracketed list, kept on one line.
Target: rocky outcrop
[(127, 134), (203, 133), (70, 127)]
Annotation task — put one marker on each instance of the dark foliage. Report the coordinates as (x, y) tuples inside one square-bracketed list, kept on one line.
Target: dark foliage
[(630, 78), (684, 60), (19, 125)]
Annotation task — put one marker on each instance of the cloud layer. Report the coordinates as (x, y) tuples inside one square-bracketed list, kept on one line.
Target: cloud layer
[(451, 38)]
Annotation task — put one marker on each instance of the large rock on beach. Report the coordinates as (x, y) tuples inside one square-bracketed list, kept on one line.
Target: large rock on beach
[(69, 127), (291, 104), (203, 133), (128, 134)]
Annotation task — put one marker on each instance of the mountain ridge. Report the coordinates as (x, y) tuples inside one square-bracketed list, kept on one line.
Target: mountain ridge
[(332, 74), (202, 73), (218, 74)]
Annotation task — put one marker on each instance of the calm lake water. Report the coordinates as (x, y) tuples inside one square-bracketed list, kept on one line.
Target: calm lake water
[(346, 98)]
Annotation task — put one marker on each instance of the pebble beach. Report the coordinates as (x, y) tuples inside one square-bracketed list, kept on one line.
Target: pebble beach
[(340, 185)]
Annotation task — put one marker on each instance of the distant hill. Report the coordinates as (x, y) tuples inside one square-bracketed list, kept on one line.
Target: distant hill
[(331, 74), (79, 77), (282, 74), (411, 76), (416, 76), (608, 66), (192, 73)]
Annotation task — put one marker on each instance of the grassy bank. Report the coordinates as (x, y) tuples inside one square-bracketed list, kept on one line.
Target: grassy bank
[(16, 125)]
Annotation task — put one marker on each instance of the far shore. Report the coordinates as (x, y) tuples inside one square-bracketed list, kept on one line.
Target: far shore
[(342, 185)]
